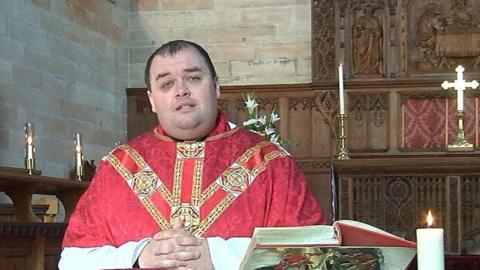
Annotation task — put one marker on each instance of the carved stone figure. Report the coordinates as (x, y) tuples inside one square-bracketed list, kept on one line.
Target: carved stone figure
[(460, 16), (429, 24), (367, 43)]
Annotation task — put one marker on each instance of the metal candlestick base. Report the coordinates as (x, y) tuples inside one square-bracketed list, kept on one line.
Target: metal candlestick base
[(460, 143), (343, 153)]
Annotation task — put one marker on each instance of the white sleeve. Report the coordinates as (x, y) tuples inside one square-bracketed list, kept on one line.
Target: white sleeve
[(227, 254), (74, 258)]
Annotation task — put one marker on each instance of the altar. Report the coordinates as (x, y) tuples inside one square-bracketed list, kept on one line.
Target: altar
[(394, 193)]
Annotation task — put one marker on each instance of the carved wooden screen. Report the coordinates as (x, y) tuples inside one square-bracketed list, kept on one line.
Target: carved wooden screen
[(396, 193)]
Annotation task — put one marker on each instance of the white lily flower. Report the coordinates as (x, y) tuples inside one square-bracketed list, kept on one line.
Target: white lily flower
[(263, 120), (251, 104), (269, 131), (274, 139), (250, 122), (274, 117)]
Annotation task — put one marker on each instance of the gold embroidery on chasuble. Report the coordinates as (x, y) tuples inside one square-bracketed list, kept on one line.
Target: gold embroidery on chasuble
[(187, 183), (186, 200)]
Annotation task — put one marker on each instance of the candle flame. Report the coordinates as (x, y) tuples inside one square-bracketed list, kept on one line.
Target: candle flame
[(429, 219)]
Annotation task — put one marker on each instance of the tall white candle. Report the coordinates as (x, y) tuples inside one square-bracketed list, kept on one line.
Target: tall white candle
[(430, 247), (78, 154), (340, 85), (29, 140)]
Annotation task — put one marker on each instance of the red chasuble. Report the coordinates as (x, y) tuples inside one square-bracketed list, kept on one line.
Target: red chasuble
[(225, 185)]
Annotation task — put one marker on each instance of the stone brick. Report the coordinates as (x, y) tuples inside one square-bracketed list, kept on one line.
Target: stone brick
[(140, 38), (74, 110), (257, 3), (112, 31), (266, 15), (8, 115), (298, 31), (26, 76), (54, 150), (176, 5), (103, 137), (14, 95), (10, 49), (279, 50), (221, 52), (140, 54), (263, 68), (120, 18), (42, 3), (89, 20), (5, 6), (48, 104), (59, 126), (27, 34), (223, 69), (136, 74), (214, 17), (154, 21), (4, 138), (52, 25), (5, 71), (11, 159), (3, 25), (225, 34), (26, 12), (101, 8), (304, 67), (143, 5)]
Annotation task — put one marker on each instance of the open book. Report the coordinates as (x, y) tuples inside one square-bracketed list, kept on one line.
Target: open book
[(344, 244)]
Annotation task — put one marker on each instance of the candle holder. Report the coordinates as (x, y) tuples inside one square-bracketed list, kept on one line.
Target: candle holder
[(460, 143), (343, 153), (29, 149), (78, 157)]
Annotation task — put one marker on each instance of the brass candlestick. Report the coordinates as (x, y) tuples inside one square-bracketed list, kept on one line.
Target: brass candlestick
[(460, 143), (343, 154)]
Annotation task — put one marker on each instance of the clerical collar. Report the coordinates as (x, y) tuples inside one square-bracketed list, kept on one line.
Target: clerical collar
[(221, 129)]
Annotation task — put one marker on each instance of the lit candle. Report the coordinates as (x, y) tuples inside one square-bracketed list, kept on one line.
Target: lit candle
[(29, 148), (430, 247), (78, 156), (340, 84)]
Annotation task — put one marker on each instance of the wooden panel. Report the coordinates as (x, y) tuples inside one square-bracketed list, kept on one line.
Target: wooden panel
[(396, 193)]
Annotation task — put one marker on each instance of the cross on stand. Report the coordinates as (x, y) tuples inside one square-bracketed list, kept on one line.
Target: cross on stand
[(460, 144)]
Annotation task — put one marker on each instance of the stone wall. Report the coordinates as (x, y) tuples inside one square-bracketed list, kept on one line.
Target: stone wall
[(250, 41), (63, 67)]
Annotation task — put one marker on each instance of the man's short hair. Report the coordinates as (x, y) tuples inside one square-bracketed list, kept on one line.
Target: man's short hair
[(171, 48)]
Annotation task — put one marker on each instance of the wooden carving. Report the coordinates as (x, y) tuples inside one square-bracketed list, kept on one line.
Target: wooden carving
[(367, 38), (323, 40), (443, 35)]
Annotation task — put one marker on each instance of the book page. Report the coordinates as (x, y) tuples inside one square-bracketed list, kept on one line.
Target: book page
[(354, 233), (296, 236)]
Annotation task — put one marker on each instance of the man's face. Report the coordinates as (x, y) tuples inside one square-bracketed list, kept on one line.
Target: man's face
[(183, 94)]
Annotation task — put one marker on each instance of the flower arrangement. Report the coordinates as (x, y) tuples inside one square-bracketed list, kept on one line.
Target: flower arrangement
[(262, 124)]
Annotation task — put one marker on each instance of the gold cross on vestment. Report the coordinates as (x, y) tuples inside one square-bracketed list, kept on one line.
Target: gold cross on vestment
[(460, 85)]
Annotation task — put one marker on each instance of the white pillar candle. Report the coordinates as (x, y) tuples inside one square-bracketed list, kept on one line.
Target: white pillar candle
[(29, 140), (340, 85), (78, 154), (430, 247)]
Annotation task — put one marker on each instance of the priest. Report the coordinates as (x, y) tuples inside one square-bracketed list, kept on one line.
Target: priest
[(188, 194)]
